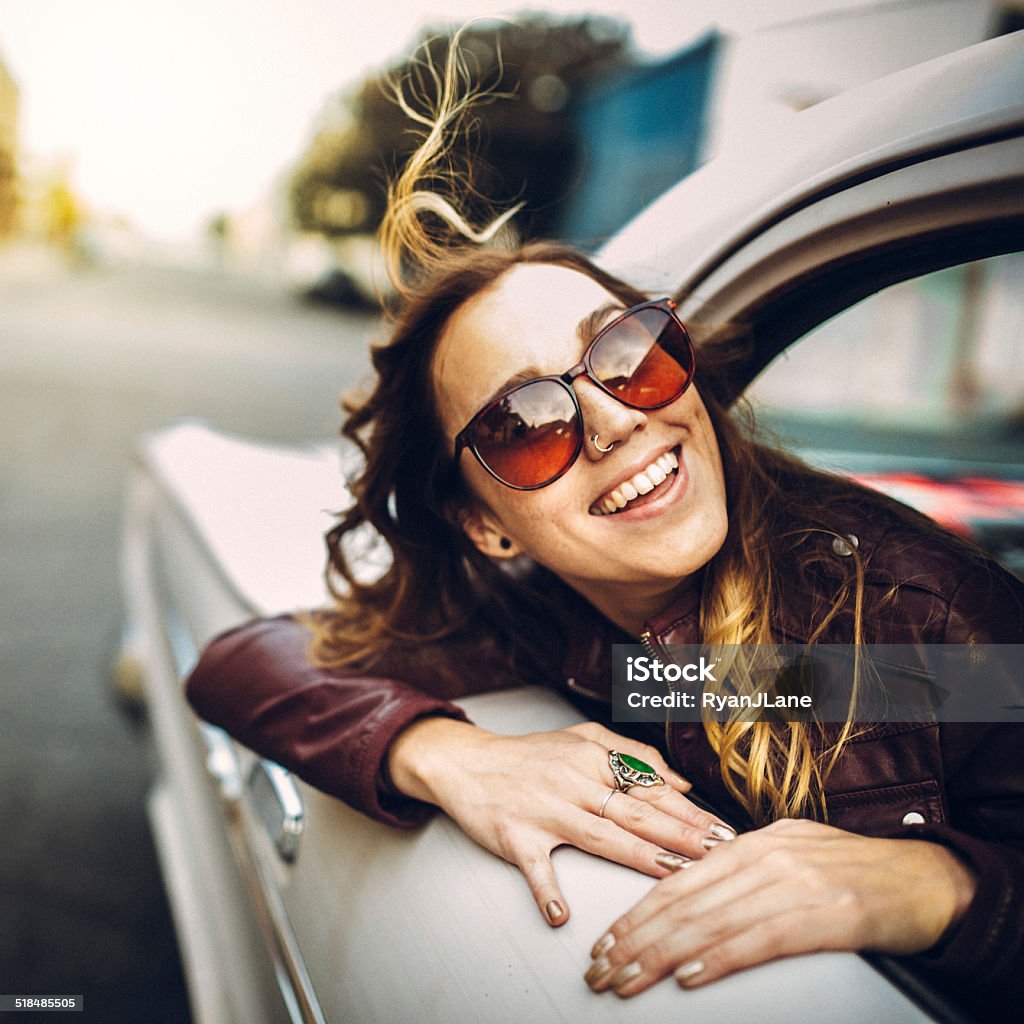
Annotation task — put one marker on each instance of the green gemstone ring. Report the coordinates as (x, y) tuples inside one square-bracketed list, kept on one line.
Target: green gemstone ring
[(631, 771)]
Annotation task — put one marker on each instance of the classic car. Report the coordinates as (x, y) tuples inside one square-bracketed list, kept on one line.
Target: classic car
[(289, 906)]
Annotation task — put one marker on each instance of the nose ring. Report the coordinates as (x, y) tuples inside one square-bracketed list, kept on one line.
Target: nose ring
[(597, 444)]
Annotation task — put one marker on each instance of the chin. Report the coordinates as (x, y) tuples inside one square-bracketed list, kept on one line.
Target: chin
[(702, 540)]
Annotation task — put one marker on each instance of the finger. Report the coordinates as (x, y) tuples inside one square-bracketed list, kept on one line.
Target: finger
[(760, 850), (540, 877), (647, 818), (696, 893), (680, 783), (652, 756), (673, 803), (709, 940), (605, 838), (701, 925), (786, 933)]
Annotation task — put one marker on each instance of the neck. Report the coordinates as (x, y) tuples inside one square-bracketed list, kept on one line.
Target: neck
[(631, 606)]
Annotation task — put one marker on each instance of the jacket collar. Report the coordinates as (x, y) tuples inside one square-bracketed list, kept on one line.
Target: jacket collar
[(679, 623), (588, 662), (588, 647)]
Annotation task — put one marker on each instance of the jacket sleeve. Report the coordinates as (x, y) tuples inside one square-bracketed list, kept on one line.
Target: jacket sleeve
[(981, 958), (332, 728)]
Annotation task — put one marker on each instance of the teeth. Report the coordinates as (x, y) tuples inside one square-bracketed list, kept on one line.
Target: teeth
[(643, 483)]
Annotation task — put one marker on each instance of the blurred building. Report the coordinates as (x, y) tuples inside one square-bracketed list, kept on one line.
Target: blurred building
[(8, 150), (640, 131)]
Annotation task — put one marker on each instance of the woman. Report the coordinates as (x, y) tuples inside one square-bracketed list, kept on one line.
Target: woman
[(551, 471)]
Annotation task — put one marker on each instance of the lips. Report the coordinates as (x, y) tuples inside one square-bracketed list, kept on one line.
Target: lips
[(629, 491)]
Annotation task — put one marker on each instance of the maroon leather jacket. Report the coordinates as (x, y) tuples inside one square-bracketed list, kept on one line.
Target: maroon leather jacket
[(958, 784)]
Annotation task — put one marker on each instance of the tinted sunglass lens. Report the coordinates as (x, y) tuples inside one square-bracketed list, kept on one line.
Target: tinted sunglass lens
[(531, 435), (645, 360)]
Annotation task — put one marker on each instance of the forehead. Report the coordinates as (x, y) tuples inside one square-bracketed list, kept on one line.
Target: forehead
[(527, 319)]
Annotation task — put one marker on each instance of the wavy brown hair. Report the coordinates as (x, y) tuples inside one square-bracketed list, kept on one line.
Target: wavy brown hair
[(410, 494)]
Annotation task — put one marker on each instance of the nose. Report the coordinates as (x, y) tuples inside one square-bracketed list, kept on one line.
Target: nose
[(610, 420)]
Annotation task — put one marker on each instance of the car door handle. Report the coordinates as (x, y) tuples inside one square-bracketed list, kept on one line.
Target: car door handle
[(277, 805), (222, 762)]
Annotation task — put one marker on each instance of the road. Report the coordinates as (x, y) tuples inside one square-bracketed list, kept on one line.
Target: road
[(90, 360)]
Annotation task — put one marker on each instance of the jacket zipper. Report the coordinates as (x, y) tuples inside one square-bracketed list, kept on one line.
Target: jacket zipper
[(647, 643), (573, 684)]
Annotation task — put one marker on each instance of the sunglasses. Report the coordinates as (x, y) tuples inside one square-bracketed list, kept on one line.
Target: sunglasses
[(532, 434)]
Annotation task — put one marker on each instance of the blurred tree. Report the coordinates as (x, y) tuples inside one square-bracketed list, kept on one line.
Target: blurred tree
[(9, 197), (218, 234), (63, 211), (521, 146), (8, 193)]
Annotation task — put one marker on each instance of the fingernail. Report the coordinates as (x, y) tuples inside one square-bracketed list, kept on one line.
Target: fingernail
[(598, 971), (708, 843), (682, 782), (554, 910), (687, 971), (624, 975), (670, 861), (602, 945), (724, 832)]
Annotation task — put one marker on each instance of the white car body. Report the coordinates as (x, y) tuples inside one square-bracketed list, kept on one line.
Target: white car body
[(290, 906)]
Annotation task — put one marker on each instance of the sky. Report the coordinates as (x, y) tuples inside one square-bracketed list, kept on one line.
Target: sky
[(168, 111)]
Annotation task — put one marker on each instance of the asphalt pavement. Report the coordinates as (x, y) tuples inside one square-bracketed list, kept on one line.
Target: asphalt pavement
[(89, 361)]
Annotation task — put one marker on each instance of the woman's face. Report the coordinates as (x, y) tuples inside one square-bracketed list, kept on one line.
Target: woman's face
[(528, 324)]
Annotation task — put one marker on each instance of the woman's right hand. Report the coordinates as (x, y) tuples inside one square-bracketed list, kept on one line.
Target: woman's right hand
[(522, 796)]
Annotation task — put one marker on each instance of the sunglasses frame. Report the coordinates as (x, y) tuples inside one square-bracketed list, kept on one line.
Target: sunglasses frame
[(466, 436)]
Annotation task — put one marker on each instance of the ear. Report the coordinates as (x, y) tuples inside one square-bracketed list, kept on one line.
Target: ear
[(484, 530)]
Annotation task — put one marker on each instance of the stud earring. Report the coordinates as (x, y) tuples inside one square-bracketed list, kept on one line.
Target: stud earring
[(506, 544)]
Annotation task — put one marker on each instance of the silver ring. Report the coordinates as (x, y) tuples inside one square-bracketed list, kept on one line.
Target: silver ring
[(594, 441), (631, 771), (604, 802)]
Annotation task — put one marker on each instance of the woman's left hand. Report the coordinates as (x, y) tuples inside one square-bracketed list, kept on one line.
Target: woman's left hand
[(791, 887)]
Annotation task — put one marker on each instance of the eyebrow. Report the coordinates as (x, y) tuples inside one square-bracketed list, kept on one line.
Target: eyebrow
[(586, 330), (590, 326)]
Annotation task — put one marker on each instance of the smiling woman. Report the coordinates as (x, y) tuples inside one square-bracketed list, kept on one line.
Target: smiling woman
[(628, 563), (537, 514)]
